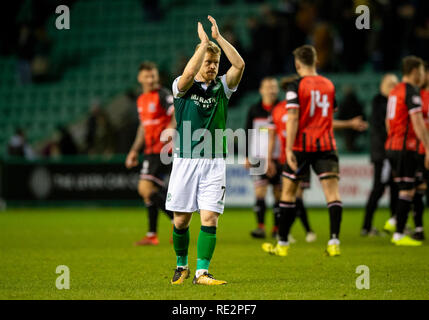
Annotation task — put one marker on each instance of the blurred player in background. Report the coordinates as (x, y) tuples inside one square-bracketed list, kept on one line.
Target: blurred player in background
[(259, 119), (156, 113), (277, 150), (406, 127), (382, 170), (423, 173), (279, 118), (310, 142), (198, 176)]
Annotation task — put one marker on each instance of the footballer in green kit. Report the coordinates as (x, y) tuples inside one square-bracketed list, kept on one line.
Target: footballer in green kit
[(197, 181)]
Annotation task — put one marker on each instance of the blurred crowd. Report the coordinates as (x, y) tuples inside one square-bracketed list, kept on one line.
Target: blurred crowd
[(397, 28), (98, 137), (23, 34)]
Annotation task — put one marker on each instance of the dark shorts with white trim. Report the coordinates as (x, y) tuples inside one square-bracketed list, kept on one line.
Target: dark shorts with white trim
[(324, 163), (422, 175), (405, 166), (154, 170), (263, 179)]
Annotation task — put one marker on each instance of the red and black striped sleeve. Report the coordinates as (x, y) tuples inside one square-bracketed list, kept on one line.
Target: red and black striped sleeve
[(413, 100), (292, 98)]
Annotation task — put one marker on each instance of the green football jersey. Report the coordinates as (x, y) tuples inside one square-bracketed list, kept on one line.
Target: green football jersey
[(201, 114)]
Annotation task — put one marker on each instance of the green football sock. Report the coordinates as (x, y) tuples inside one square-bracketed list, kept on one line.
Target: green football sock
[(181, 244), (205, 246)]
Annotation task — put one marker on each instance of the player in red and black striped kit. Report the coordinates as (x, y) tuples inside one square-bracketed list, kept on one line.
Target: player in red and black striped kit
[(310, 142), (422, 177), (258, 119), (156, 113), (278, 137), (406, 130), (279, 117)]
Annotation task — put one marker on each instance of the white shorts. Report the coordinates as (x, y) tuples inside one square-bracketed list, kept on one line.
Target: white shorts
[(197, 184)]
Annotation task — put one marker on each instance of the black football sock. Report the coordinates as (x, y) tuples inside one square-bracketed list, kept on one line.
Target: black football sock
[(153, 217), (276, 212), (335, 214), (372, 205), (419, 207), (301, 212), (403, 207), (159, 199), (259, 209), (286, 219), (394, 195)]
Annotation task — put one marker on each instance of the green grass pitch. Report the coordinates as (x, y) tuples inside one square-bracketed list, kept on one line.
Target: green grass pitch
[(97, 246)]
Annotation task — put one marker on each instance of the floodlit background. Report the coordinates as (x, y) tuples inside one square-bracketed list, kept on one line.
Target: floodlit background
[(68, 117), (68, 96)]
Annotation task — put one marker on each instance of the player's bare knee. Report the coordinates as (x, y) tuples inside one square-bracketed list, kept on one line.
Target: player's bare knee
[(330, 188), (289, 190), (146, 195), (299, 192), (407, 194), (181, 220), (277, 192), (260, 192), (421, 188), (146, 189), (209, 218)]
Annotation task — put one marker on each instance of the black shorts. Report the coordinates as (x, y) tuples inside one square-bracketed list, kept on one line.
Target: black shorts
[(405, 166), (154, 170), (422, 174), (263, 179), (305, 181), (324, 163)]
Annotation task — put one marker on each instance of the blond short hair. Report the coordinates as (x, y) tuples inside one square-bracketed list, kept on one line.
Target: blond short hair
[(212, 48)]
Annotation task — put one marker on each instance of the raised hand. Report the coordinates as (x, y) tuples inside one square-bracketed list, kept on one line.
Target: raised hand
[(215, 29), (358, 124), (271, 169), (202, 34), (132, 159)]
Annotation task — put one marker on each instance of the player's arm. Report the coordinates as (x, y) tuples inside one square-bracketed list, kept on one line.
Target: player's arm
[(421, 132), (271, 143), (234, 74), (292, 106), (173, 123), (133, 156), (194, 64), (291, 130), (249, 126), (413, 101), (356, 123), (271, 170), (420, 128), (167, 103)]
